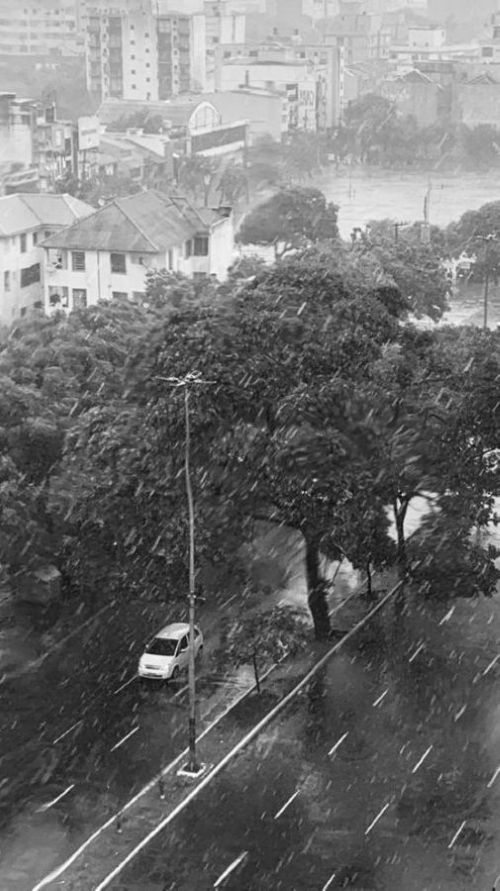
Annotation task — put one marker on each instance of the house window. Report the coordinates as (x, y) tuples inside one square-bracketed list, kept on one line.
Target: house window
[(58, 296), (78, 261), (35, 238), (79, 298), (47, 233), (30, 275), (23, 244), (118, 264), (119, 295), (137, 259), (188, 249), (6, 281), (201, 246)]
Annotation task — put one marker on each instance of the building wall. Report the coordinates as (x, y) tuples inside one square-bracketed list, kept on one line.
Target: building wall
[(221, 248), (40, 28), (133, 54), (297, 81), (17, 125), (263, 111), (16, 299), (475, 104), (420, 100)]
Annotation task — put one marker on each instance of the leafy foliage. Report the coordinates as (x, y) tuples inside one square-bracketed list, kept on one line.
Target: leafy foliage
[(290, 219), (266, 635)]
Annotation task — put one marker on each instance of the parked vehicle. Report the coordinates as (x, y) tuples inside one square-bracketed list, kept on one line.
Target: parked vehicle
[(167, 654)]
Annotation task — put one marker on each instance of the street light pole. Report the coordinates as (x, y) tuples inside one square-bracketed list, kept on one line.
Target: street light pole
[(193, 766), (189, 380)]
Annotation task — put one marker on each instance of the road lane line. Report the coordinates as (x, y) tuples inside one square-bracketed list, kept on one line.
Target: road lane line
[(230, 869), (45, 807), (337, 744), (58, 871), (377, 818), (493, 778), (58, 739), (286, 804), (380, 698), (457, 833), (424, 756), (329, 882), (121, 741), (124, 685)]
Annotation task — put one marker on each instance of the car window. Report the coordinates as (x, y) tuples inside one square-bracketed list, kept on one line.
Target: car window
[(162, 646), (183, 643), (197, 632)]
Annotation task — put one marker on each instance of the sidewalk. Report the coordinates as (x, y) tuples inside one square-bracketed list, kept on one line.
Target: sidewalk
[(92, 867)]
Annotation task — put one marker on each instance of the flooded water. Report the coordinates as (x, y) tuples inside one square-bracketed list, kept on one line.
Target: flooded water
[(363, 195)]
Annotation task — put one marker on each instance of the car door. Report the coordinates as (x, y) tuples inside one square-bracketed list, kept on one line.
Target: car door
[(183, 652)]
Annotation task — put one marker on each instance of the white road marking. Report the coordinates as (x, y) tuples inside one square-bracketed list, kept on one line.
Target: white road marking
[(124, 685), (337, 744), (493, 778), (286, 804), (49, 804), (216, 770), (182, 690), (417, 651), (457, 833), (379, 700), (230, 869), (492, 663), (121, 741), (424, 756), (329, 882), (377, 818), (73, 726)]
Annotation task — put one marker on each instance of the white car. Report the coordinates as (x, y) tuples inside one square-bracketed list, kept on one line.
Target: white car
[(167, 654)]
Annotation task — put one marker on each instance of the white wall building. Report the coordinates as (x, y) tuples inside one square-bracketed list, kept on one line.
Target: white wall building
[(107, 255), (40, 28), (133, 53), (25, 220)]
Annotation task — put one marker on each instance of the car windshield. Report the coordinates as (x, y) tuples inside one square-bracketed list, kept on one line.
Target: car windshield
[(162, 646)]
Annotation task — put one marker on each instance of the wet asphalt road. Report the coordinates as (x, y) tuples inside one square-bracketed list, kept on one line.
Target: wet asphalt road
[(408, 800)]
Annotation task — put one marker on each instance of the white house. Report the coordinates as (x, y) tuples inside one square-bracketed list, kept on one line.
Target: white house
[(25, 220), (108, 254)]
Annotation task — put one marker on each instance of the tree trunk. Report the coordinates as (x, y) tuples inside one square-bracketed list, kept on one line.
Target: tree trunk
[(369, 589), (399, 516), (316, 591)]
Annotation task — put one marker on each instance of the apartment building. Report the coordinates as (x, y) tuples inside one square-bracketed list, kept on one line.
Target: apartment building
[(308, 75), (40, 29), (17, 126), (25, 220), (135, 53), (107, 255), (222, 26)]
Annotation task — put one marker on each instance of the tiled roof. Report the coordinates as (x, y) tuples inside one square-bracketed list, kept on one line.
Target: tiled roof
[(24, 212), (147, 222)]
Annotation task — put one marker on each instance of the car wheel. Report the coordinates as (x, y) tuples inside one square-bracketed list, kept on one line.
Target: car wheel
[(175, 673)]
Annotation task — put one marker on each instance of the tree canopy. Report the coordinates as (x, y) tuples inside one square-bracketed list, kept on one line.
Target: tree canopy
[(292, 218)]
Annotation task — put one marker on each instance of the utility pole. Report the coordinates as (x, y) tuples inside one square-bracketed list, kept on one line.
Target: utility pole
[(189, 380)]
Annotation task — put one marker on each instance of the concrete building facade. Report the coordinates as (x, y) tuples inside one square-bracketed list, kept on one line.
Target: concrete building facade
[(44, 28), (25, 220), (108, 255), (132, 53)]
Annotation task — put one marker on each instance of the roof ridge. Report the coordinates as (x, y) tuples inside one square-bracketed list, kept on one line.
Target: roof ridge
[(23, 196), (134, 223), (191, 207)]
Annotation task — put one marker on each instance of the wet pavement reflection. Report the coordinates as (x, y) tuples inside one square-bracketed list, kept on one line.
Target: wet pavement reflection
[(384, 775)]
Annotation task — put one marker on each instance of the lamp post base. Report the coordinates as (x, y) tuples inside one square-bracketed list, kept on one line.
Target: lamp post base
[(187, 773)]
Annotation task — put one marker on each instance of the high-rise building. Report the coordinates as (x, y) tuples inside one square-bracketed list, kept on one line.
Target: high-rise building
[(44, 28), (137, 52)]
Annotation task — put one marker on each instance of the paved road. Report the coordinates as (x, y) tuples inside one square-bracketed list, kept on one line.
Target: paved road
[(385, 775)]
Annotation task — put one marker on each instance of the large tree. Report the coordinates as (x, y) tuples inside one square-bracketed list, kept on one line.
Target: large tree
[(291, 219)]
